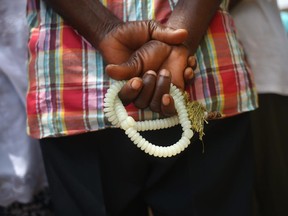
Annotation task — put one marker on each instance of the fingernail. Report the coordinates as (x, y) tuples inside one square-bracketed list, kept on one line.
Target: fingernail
[(179, 30), (189, 73), (192, 62), (166, 100), (136, 84), (164, 73), (151, 72)]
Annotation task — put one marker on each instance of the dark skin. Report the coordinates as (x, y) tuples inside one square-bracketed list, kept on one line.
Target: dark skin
[(136, 48), (192, 15), (138, 90)]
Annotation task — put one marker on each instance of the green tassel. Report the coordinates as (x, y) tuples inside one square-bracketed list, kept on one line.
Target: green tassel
[(196, 113)]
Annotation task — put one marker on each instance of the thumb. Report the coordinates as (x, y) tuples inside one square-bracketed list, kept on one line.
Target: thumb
[(148, 57), (124, 71), (166, 34)]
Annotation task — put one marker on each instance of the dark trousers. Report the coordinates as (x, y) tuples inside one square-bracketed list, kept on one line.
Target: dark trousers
[(2, 211), (103, 173)]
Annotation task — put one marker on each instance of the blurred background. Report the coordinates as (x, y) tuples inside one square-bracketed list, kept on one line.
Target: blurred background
[(23, 185), (283, 4)]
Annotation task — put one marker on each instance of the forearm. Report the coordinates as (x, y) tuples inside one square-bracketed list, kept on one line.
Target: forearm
[(195, 17), (89, 17)]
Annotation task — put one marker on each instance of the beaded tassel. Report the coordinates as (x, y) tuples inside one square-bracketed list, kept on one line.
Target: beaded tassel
[(191, 116)]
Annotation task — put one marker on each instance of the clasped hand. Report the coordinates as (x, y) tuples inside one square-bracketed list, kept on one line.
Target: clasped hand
[(151, 57)]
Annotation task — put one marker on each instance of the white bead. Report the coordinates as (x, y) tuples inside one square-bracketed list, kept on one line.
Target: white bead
[(124, 125), (156, 151), (148, 149), (138, 139), (135, 137), (161, 151), (145, 145), (130, 121), (108, 113), (186, 125), (115, 122), (177, 148), (131, 132), (112, 118), (141, 142), (153, 149), (188, 133), (169, 151), (108, 100)]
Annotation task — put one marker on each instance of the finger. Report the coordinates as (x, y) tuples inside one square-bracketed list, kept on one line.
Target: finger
[(168, 106), (166, 34), (162, 87), (130, 90), (127, 70), (148, 57), (144, 97), (213, 115), (192, 62), (176, 64), (188, 74)]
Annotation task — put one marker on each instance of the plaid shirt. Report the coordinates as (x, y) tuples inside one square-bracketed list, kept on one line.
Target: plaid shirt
[(67, 82)]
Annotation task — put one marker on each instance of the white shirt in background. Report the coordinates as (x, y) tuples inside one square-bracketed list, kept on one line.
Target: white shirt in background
[(265, 42)]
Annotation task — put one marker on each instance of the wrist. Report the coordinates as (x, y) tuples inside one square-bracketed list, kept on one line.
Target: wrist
[(99, 23), (177, 23), (193, 16), (89, 18), (100, 31)]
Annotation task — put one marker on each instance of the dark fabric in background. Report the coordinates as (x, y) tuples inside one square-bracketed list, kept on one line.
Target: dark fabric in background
[(270, 131)]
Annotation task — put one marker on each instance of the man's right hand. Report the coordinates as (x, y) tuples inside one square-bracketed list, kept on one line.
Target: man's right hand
[(118, 41)]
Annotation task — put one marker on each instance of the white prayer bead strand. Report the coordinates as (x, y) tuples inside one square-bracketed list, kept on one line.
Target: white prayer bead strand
[(117, 115)]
